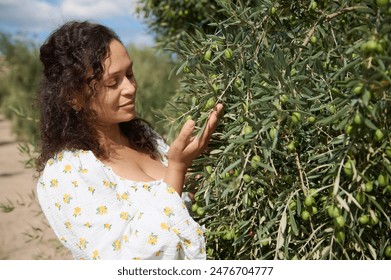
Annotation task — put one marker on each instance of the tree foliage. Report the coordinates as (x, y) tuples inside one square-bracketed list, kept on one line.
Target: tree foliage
[(300, 165), (20, 74), (170, 20)]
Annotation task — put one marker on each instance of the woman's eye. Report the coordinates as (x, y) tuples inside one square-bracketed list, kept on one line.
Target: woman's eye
[(112, 85)]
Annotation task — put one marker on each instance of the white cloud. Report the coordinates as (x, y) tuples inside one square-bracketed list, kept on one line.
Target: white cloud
[(32, 16), (42, 16), (97, 9)]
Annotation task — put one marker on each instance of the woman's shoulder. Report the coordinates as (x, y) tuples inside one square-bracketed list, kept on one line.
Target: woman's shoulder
[(70, 161)]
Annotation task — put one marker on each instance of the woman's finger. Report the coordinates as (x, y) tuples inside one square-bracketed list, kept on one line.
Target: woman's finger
[(184, 136), (211, 124)]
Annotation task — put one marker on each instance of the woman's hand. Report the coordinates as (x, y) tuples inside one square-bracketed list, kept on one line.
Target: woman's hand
[(186, 148)]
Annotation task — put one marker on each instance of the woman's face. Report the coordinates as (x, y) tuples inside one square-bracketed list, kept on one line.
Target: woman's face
[(115, 100)]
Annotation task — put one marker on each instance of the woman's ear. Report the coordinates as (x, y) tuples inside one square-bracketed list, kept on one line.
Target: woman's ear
[(75, 103)]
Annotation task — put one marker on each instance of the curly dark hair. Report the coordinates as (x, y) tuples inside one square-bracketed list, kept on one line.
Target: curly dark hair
[(73, 58)]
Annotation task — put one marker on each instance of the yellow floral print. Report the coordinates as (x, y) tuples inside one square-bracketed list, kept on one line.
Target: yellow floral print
[(77, 211), (83, 170), (109, 184), (101, 210), (187, 243), (60, 156), (125, 196), (54, 183), (165, 226), (82, 243), (117, 245), (158, 253), (95, 255), (91, 190), (67, 198), (170, 189), (50, 162), (67, 168), (168, 211), (178, 246), (42, 184), (84, 207), (152, 239), (124, 216), (68, 225), (88, 224)]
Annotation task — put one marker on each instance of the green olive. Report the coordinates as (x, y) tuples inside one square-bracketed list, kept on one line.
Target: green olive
[(378, 135), (333, 211), (368, 187), (247, 129), (312, 119), (246, 178), (360, 197), (382, 180), (210, 103), (200, 211), (305, 215), (228, 53), (194, 207), (348, 168), (357, 119), (208, 55), (363, 219), (272, 134), (340, 236), (340, 221), (387, 251), (388, 152), (348, 129), (309, 200), (296, 117)]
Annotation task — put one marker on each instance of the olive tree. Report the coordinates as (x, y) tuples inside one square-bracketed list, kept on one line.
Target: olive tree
[(300, 164)]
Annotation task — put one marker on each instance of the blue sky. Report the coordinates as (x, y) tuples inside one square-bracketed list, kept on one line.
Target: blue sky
[(38, 18)]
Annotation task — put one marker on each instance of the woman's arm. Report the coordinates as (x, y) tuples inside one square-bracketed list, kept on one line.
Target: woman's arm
[(186, 148)]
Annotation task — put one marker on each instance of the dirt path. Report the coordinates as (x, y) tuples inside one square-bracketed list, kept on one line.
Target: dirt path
[(24, 233)]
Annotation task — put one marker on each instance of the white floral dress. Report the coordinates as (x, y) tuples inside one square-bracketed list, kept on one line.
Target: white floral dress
[(98, 215)]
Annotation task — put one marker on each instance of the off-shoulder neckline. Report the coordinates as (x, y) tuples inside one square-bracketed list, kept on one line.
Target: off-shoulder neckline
[(122, 178)]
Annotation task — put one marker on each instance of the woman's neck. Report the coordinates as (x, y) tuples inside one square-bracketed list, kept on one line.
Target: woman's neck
[(111, 137)]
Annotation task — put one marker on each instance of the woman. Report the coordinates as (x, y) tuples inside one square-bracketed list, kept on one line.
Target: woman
[(109, 186)]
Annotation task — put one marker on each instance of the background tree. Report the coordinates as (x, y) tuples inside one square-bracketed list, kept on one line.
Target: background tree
[(300, 164), (154, 88)]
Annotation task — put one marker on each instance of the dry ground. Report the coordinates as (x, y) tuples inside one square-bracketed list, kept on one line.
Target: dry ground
[(24, 233)]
